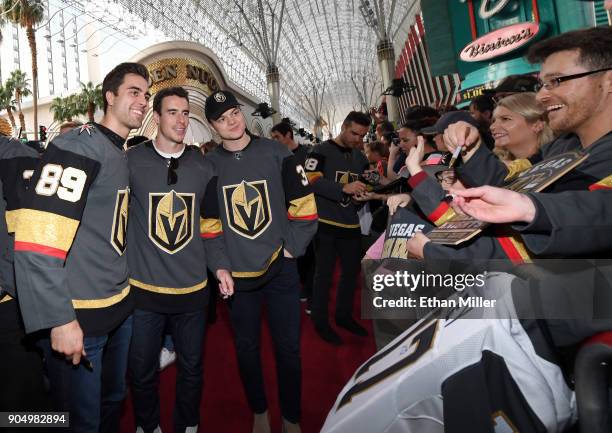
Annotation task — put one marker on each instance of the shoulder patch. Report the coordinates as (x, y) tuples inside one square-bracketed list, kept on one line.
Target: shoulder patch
[(89, 128)]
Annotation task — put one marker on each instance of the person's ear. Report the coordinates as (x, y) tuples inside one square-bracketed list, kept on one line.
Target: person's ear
[(537, 126), (110, 98)]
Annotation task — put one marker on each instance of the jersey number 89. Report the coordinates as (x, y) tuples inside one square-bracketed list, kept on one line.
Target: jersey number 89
[(67, 182)]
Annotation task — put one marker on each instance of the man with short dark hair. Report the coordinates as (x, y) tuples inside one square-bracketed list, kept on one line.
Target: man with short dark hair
[(71, 271), (269, 217), (174, 234), (481, 109), (333, 169), (283, 133)]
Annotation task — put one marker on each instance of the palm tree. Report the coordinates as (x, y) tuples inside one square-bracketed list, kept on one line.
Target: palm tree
[(21, 86), (91, 97), (2, 23), (6, 102), (60, 109), (75, 105), (27, 13)]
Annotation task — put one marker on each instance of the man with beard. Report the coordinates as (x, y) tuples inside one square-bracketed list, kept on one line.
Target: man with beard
[(70, 269), (333, 169)]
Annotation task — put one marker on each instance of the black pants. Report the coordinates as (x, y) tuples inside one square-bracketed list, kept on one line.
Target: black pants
[(21, 365), (187, 331), (282, 298), (327, 249), (306, 267)]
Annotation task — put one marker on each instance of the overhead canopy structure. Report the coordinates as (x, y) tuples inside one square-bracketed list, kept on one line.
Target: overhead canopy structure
[(311, 42)]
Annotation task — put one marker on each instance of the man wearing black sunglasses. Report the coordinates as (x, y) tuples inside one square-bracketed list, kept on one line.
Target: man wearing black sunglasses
[(174, 233)]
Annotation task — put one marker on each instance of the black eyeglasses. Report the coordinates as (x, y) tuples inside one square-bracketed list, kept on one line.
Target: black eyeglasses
[(553, 83), (173, 164), (446, 176)]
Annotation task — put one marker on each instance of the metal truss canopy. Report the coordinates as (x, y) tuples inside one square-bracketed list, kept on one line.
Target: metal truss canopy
[(310, 41)]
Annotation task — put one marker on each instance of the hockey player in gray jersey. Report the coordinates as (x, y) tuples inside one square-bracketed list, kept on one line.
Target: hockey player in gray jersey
[(283, 133), (72, 274), (333, 169), (23, 388), (174, 234), (269, 216)]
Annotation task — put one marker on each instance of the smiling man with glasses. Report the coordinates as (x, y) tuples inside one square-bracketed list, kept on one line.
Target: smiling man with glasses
[(576, 90)]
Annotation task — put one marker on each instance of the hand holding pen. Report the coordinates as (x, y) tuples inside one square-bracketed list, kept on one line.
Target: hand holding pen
[(461, 138), (458, 150)]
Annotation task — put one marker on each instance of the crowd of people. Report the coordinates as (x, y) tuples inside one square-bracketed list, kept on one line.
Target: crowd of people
[(262, 221)]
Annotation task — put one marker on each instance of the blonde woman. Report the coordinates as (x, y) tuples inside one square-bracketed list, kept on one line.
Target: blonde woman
[(520, 126)]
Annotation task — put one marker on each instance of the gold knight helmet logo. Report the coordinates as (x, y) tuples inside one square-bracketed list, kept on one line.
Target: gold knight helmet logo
[(247, 207), (171, 220), (120, 220), (345, 177)]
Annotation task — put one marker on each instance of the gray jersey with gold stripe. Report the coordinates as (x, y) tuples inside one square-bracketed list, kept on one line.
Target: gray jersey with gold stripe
[(16, 161), (266, 204), (329, 167), (71, 234), (175, 231)]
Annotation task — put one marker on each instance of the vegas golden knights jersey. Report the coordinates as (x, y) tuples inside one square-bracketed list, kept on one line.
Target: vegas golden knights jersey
[(266, 205), (71, 233), (17, 163), (329, 167), (175, 231), (403, 225), (459, 374)]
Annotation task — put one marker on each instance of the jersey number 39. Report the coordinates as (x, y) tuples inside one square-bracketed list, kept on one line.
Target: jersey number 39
[(67, 183)]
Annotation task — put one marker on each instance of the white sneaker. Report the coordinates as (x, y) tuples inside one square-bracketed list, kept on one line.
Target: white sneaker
[(141, 430), (166, 357), (192, 429)]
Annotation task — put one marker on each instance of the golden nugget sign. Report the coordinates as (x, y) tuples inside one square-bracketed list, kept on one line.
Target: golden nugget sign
[(500, 41), (181, 72)]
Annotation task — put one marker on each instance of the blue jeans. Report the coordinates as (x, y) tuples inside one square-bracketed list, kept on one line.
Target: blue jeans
[(188, 336), (93, 398), (282, 298)]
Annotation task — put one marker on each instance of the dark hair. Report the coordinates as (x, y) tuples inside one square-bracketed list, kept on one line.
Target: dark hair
[(386, 127), (114, 78), (593, 45), (483, 103), (283, 128), (422, 112), (209, 146), (168, 91), (378, 147), (416, 125), (358, 117)]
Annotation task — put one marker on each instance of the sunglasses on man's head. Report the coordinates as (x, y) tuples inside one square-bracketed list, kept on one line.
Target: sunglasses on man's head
[(173, 164)]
